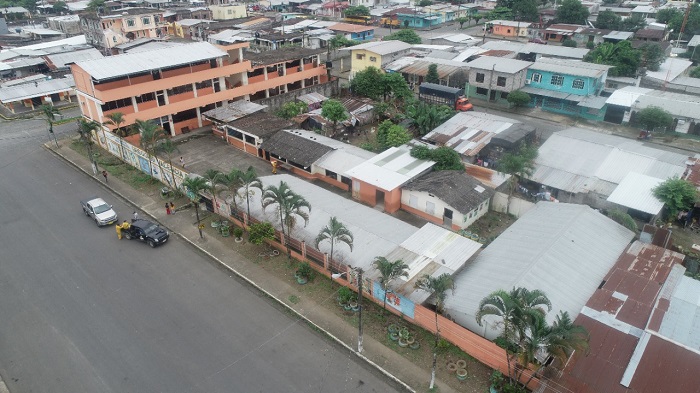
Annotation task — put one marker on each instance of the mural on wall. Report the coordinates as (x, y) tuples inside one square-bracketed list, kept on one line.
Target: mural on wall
[(395, 301), (144, 164)]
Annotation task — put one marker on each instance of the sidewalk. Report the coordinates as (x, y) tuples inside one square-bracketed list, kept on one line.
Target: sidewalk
[(395, 366)]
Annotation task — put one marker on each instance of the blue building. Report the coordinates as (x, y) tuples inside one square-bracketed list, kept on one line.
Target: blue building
[(353, 32), (419, 19), (568, 87)]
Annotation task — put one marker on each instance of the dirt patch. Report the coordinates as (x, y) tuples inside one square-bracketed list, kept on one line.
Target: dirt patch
[(491, 224)]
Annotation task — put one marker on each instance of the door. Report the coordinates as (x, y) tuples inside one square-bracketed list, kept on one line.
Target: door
[(492, 95), (379, 198), (447, 217)]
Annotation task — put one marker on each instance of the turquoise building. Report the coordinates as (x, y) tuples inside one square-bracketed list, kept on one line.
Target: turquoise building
[(568, 87), (419, 19)]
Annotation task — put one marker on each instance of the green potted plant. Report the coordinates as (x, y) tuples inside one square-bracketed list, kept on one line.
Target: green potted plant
[(344, 296), (303, 273), (404, 335), (497, 382), (238, 234)]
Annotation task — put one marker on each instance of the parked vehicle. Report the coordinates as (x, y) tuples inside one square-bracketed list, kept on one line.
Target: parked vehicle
[(444, 95), (99, 210), (146, 231), (389, 22), (358, 20)]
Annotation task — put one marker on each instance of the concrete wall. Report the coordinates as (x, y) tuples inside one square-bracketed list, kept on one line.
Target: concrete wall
[(460, 220), (328, 89), (513, 81), (517, 206)]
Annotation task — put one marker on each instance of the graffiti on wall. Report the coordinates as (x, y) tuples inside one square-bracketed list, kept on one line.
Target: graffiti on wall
[(395, 301)]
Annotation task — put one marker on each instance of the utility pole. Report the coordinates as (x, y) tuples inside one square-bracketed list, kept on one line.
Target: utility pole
[(359, 304)]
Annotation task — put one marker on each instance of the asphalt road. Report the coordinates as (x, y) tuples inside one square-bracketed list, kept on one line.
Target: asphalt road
[(81, 311)]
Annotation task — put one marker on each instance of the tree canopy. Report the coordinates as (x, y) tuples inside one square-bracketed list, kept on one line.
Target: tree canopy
[(375, 84), (572, 11), (677, 194), (608, 20), (500, 13), (652, 118), (525, 10), (652, 55), (426, 116), (406, 35), (292, 109), (518, 98), (675, 21), (339, 41), (334, 111), (432, 75), (634, 23), (624, 59), (357, 10), (695, 72), (445, 158), (391, 135)]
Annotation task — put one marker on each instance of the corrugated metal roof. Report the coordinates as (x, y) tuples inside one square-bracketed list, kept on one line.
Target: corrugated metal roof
[(312, 98), (374, 232), (563, 249), (130, 63), (635, 192), (570, 67), (390, 169), (619, 35), (681, 322), (40, 89), (234, 110), (498, 64), (626, 96), (420, 68), (342, 160), (381, 47), (695, 41), (679, 105), (468, 132), (553, 50), (467, 53), (670, 69), (60, 60), (503, 45), (432, 250)]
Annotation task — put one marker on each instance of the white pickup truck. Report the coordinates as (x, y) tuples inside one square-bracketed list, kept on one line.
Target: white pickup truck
[(99, 210)]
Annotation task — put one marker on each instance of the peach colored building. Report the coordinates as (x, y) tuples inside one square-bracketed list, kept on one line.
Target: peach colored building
[(509, 28), (378, 181), (107, 31), (284, 70)]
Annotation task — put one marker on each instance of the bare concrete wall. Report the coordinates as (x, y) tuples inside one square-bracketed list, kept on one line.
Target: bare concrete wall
[(329, 89)]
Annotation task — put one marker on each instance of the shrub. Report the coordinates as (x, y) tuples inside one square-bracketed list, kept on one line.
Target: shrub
[(569, 43), (261, 231), (590, 45)]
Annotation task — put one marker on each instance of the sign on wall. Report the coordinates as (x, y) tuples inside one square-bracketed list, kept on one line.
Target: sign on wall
[(395, 301)]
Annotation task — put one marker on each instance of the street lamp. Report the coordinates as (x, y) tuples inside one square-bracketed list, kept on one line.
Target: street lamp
[(359, 304)]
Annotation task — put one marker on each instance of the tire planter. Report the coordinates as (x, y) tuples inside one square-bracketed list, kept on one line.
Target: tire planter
[(347, 307), (461, 363), (215, 224), (414, 346), (394, 328), (452, 367), (461, 374), (238, 239), (394, 336), (403, 343), (302, 280), (354, 306)]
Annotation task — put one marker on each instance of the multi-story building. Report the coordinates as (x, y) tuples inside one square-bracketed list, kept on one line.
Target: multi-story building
[(375, 54), (107, 31), (170, 86), (284, 70), (228, 11), (492, 78)]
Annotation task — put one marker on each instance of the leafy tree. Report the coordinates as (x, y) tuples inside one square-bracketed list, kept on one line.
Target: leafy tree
[(623, 219), (608, 20), (572, 11), (677, 194), (462, 20), (500, 13), (692, 25), (624, 59), (505, 3), (406, 35), (290, 205), (261, 231), (151, 134), (212, 176), (368, 83), (116, 119), (569, 43), (391, 135), (525, 10), (666, 15), (50, 112), (518, 98), (634, 23), (425, 3), (335, 232), (608, 2), (477, 18), (388, 271), (334, 111), (250, 182), (195, 185), (426, 117), (437, 287), (229, 183), (60, 6), (86, 128), (432, 75), (446, 159), (695, 72), (653, 117), (652, 55), (96, 6), (519, 165), (394, 85), (339, 41), (358, 10), (292, 109), (168, 148)]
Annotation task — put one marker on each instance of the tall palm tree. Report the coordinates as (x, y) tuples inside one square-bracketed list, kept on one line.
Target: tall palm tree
[(85, 130), (438, 287), (50, 112), (335, 232), (517, 310), (151, 135), (229, 184), (289, 206), (168, 148), (389, 270), (250, 182), (194, 186), (212, 177), (116, 119)]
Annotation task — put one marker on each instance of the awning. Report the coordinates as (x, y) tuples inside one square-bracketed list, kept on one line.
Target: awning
[(593, 102), (552, 94)]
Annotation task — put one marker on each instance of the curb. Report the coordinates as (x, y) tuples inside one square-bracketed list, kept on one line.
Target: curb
[(246, 279)]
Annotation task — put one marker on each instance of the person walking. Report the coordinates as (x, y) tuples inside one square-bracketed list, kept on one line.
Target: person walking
[(120, 227), (135, 217), (172, 208), (104, 173), (182, 162), (167, 208)]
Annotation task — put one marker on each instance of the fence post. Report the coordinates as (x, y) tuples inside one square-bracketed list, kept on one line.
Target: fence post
[(325, 261), (303, 249), (245, 218)]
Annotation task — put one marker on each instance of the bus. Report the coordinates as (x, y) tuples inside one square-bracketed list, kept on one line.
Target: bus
[(358, 20)]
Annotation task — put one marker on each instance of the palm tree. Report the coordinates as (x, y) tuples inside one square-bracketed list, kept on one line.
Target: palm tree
[(194, 186), (168, 148), (50, 112), (151, 134), (517, 310), (289, 206), (85, 130), (249, 181), (212, 177), (389, 270), (230, 183), (438, 287), (116, 119), (335, 232)]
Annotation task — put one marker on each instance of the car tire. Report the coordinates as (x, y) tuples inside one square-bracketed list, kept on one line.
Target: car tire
[(97, 222), (152, 244), (127, 235), (86, 213)]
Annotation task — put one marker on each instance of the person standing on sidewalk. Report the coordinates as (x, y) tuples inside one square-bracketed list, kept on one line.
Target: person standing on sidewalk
[(182, 162), (135, 217), (167, 208), (172, 208), (104, 173)]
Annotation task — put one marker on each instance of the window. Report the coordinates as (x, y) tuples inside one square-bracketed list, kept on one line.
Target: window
[(481, 91), (557, 80), (156, 19), (429, 207), (230, 12), (578, 84), (145, 97), (536, 77), (203, 84), (504, 95), (234, 134), (250, 139), (185, 115), (180, 89), (130, 22), (501, 81), (480, 77), (111, 105), (359, 56), (114, 38), (331, 174), (146, 21), (372, 58)]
